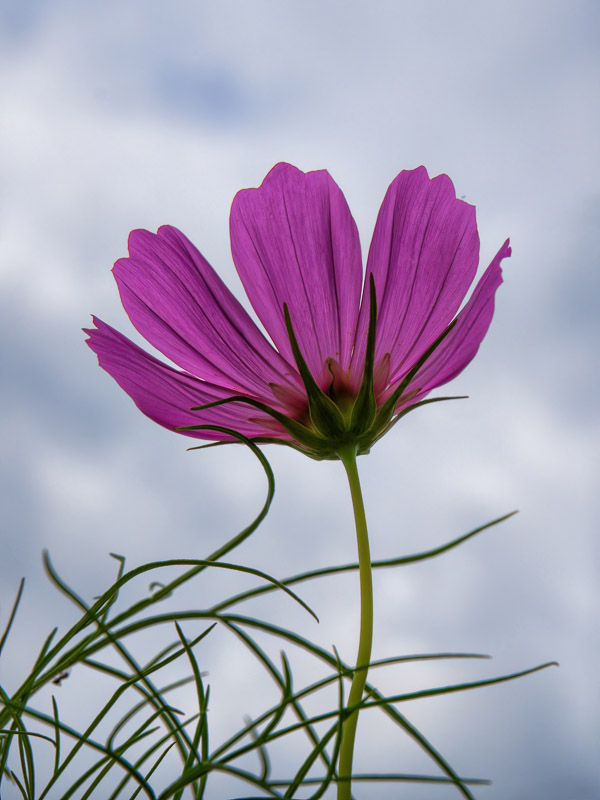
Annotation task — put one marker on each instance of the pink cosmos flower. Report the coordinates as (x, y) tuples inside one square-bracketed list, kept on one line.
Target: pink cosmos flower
[(347, 358)]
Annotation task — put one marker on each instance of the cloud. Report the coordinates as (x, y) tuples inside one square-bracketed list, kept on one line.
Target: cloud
[(117, 116)]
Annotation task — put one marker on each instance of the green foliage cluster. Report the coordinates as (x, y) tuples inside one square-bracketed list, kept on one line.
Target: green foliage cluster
[(124, 764)]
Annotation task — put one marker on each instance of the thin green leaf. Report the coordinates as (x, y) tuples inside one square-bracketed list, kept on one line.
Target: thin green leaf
[(5, 740), (459, 687), (187, 778), (285, 686), (20, 786), (12, 615), (137, 736), (309, 761), (400, 720), (56, 734), (393, 777), (27, 761), (44, 651), (331, 773), (204, 741), (409, 696), (131, 680), (381, 564), (261, 750), (192, 757), (29, 735), (152, 769), (121, 569), (84, 738), (117, 794)]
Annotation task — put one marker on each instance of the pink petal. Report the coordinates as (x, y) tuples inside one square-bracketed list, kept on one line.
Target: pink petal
[(180, 305), (294, 241), (423, 257), (462, 343), (166, 395)]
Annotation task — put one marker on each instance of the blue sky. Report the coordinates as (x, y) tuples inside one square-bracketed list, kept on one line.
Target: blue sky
[(122, 115)]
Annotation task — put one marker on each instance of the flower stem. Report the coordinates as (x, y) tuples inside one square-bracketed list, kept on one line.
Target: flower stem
[(348, 459)]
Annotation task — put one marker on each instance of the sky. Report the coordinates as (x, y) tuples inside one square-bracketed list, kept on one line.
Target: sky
[(119, 115)]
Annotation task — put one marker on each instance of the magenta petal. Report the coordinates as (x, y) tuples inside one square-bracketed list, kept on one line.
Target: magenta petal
[(166, 395), (423, 257), (294, 241), (460, 346), (180, 305)]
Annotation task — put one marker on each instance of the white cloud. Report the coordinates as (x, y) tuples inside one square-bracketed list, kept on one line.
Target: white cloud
[(123, 115)]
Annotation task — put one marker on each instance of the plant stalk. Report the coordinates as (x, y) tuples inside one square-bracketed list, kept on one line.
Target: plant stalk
[(348, 459)]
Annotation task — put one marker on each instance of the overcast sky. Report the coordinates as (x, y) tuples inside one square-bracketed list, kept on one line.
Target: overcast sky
[(116, 115)]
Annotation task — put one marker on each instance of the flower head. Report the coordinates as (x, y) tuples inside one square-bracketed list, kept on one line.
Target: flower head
[(348, 357)]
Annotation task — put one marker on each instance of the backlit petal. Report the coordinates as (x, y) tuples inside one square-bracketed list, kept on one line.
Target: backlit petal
[(462, 343), (181, 306), (423, 256), (294, 241), (166, 395)]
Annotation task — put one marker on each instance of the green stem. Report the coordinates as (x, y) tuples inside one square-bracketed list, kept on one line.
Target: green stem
[(348, 459)]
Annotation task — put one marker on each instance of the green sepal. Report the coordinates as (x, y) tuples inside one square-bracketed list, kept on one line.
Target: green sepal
[(364, 409), (324, 413), (386, 412), (414, 406), (334, 431), (266, 440), (300, 432)]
